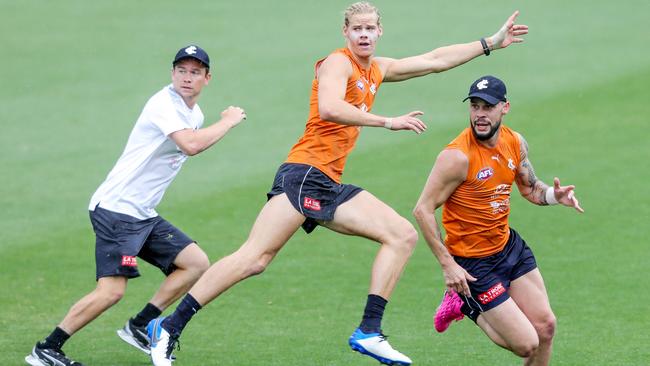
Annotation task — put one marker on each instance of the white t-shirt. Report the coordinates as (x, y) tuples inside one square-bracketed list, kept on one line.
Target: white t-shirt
[(150, 160)]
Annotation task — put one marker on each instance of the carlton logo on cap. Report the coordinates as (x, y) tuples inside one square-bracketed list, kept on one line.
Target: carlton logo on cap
[(489, 88), (192, 51)]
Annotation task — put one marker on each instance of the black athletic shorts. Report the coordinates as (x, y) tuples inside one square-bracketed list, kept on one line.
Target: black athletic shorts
[(494, 273), (311, 192), (120, 238)]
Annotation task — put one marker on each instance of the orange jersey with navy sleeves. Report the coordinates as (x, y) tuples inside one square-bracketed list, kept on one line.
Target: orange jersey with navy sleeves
[(325, 144), (475, 216)]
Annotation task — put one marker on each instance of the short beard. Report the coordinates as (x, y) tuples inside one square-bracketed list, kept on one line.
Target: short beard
[(493, 131)]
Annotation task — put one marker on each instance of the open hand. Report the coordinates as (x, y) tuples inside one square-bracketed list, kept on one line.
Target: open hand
[(409, 121), (565, 195), (509, 33)]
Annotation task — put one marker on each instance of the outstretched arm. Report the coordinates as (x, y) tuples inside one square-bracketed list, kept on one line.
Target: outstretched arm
[(538, 192), (193, 142), (448, 172), (332, 75), (445, 58)]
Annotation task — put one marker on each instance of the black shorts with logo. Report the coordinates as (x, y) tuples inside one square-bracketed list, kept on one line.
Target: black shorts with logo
[(494, 273), (311, 192), (120, 238)]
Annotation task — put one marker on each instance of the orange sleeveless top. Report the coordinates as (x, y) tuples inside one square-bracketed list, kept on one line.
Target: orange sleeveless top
[(326, 145), (475, 216)]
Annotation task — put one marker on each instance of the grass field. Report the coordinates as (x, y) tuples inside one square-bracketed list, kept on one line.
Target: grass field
[(76, 74)]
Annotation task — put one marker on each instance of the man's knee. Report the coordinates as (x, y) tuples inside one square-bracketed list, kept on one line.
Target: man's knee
[(252, 263), (411, 236), (258, 265), (193, 259), (200, 263), (110, 294), (546, 328), (404, 237), (525, 349)]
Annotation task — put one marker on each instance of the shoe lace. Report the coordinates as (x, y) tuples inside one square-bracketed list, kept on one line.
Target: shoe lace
[(174, 342)]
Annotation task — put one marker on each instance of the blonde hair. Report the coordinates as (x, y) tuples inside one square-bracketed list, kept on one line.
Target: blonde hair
[(361, 7)]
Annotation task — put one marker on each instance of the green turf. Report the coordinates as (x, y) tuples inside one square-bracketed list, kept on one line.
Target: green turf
[(75, 75)]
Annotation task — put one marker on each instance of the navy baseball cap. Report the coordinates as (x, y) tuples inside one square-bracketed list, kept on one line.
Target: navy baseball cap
[(488, 88), (192, 51)]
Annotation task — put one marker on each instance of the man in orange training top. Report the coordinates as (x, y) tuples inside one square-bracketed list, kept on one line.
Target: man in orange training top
[(482, 258), (307, 190)]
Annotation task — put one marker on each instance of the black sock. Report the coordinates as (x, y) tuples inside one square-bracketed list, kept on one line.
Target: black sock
[(55, 340), (175, 323), (469, 312), (147, 314), (372, 314)]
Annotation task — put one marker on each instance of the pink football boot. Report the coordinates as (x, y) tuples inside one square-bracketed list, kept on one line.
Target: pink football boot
[(448, 311)]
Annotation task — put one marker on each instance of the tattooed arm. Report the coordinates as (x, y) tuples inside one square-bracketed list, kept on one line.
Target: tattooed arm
[(535, 190), (529, 186)]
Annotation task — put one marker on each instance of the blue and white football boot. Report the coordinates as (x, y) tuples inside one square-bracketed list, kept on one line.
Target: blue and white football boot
[(162, 343), (376, 346)]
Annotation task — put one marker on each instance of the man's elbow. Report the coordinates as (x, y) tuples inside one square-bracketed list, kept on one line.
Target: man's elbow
[(190, 149), (419, 212), (328, 113)]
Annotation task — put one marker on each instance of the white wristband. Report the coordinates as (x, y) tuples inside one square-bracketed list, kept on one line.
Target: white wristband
[(388, 123), (550, 196)]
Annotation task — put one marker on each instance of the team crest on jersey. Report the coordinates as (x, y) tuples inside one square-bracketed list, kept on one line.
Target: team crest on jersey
[(511, 164), (360, 85), (175, 162), (311, 204), (485, 173)]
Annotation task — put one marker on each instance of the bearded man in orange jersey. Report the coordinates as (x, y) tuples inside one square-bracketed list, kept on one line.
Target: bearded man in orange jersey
[(307, 190), (483, 260)]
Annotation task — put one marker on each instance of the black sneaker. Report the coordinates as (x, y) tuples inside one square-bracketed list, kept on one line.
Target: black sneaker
[(49, 357), (135, 336)]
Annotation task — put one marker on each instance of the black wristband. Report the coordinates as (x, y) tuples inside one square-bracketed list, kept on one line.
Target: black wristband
[(486, 49)]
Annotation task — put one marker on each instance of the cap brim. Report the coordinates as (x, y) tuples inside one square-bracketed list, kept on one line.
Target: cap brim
[(190, 56), (486, 97)]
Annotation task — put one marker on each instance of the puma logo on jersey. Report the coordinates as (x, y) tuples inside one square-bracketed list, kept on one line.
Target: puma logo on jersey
[(495, 157)]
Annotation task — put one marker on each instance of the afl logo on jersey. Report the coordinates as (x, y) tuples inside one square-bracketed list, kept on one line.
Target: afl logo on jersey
[(485, 174), (360, 85)]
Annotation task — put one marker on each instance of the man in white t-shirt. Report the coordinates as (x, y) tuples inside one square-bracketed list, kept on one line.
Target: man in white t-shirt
[(123, 209)]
